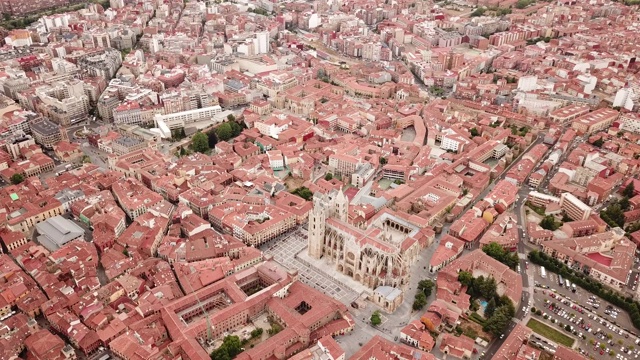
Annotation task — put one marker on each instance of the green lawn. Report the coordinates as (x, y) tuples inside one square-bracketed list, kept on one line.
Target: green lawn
[(385, 183), (550, 333)]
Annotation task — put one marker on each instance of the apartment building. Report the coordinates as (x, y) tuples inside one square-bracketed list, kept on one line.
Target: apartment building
[(253, 224), (566, 114), (183, 118), (125, 145), (276, 82), (343, 165), (46, 132), (102, 63), (541, 199), (574, 208), (607, 257), (127, 113), (595, 121), (134, 198), (630, 122)]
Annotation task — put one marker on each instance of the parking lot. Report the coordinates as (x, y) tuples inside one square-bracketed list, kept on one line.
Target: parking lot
[(284, 249), (598, 335), (552, 280)]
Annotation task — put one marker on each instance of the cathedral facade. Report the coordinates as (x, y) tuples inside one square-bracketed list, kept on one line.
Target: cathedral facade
[(379, 255)]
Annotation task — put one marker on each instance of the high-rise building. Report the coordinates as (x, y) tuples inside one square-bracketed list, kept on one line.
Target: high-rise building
[(263, 42)]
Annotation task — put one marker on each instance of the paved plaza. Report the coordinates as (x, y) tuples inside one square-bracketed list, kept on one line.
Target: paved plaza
[(284, 249)]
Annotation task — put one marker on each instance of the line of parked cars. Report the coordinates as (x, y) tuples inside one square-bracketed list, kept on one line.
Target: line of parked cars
[(604, 337)]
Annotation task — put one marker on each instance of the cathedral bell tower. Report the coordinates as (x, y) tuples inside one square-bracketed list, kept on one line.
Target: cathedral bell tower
[(317, 226)]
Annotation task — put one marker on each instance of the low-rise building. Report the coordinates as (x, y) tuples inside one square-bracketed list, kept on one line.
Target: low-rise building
[(607, 257), (57, 231), (253, 224), (595, 121)]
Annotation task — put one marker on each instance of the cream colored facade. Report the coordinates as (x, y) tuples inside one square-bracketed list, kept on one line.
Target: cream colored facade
[(380, 255)]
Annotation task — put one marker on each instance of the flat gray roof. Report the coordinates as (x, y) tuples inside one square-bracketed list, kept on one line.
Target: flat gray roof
[(57, 231)]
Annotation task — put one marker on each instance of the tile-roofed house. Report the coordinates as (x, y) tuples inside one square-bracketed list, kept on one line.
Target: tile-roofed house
[(416, 335), (43, 345), (379, 348), (448, 250), (460, 347), (514, 343)]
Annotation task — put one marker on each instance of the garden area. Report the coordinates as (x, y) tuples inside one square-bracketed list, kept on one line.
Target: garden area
[(498, 310), (550, 333), (473, 330)]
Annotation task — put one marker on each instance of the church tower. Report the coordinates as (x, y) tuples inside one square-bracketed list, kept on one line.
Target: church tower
[(317, 223), (342, 207)]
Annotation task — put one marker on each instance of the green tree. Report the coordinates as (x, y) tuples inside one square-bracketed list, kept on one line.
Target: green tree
[(549, 223), (426, 286), (465, 278), (499, 253), (506, 303), (383, 161), (629, 190), (375, 318), (497, 323), (17, 178), (224, 131), (200, 142), (256, 332), (490, 309), (474, 132), (521, 4), (624, 203), (488, 288), (613, 215), (419, 301), (213, 138), (230, 348), (598, 143), (478, 12), (328, 177), (494, 250), (230, 117), (303, 192), (236, 128)]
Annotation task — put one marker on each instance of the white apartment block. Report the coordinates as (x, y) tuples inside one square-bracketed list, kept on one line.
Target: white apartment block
[(180, 119)]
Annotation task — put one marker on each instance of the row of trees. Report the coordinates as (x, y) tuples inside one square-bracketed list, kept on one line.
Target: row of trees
[(229, 130), (203, 143), (584, 281), (499, 253), (425, 288), (496, 10), (521, 4), (499, 310)]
